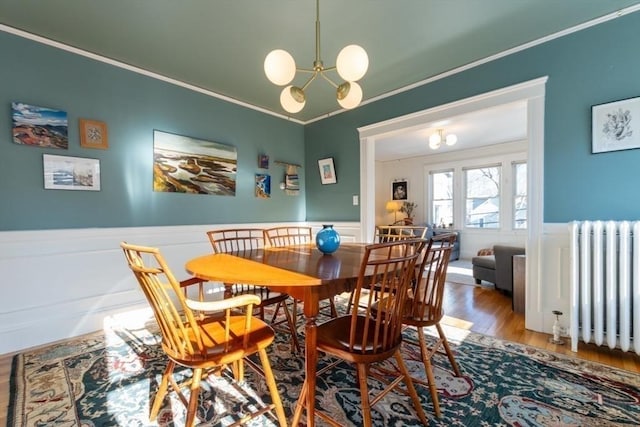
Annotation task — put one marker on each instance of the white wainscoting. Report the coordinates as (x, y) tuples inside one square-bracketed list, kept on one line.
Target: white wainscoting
[(63, 283), (58, 284), (553, 291)]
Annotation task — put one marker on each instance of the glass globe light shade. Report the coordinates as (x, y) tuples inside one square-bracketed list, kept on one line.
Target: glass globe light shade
[(353, 96), (352, 63), (289, 103), (280, 67), (451, 139), (434, 141)]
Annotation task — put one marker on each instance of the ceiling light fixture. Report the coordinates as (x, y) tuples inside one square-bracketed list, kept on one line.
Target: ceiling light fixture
[(438, 138), (352, 64)]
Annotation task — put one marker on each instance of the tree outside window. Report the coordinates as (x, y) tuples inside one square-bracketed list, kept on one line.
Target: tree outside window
[(482, 197), (442, 198)]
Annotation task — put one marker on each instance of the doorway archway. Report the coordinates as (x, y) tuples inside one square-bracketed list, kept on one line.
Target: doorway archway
[(533, 92)]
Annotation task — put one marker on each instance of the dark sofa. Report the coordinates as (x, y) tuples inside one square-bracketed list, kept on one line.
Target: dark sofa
[(433, 232), (497, 268)]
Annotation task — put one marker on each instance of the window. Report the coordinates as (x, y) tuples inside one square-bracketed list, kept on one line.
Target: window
[(520, 196), (442, 198), (482, 197)]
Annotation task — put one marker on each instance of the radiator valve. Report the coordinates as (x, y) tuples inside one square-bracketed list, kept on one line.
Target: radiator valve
[(557, 329)]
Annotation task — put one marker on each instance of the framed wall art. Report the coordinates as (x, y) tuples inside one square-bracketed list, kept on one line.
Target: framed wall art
[(615, 126), (182, 164), (263, 161), (399, 190), (93, 134), (327, 171), (39, 126), (263, 186), (71, 173)]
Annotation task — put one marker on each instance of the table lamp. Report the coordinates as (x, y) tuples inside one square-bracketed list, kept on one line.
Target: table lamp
[(393, 206)]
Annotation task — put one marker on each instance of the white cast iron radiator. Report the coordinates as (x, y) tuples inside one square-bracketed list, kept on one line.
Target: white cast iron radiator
[(605, 283)]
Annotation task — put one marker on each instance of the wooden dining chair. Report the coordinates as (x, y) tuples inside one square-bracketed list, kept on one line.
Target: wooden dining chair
[(294, 235), (424, 308), (203, 343), (364, 337), (243, 240), (392, 233)]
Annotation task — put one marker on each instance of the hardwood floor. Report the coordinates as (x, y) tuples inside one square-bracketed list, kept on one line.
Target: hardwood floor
[(479, 309)]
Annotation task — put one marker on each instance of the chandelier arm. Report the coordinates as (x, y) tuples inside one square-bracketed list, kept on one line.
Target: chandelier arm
[(309, 81), (331, 82), (306, 70)]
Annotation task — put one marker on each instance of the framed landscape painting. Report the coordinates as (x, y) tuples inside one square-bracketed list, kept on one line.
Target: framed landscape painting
[(71, 173), (39, 126), (263, 186), (615, 126), (182, 164)]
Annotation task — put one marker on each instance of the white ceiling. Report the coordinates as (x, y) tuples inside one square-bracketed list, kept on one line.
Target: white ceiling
[(505, 123)]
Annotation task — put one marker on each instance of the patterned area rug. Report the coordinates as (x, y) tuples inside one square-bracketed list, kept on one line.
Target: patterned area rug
[(109, 379)]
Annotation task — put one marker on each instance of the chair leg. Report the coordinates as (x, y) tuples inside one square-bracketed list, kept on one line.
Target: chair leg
[(332, 304), (447, 349), (291, 321), (273, 388), (411, 388), (193, 399), (426, 360), (364, 394), (297, 414), (162, 390)]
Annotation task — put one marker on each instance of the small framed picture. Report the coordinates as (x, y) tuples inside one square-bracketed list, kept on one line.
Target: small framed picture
[(93, 134), (399, 190), (71, 173), (263, 161), (327, 171), (615, 126)]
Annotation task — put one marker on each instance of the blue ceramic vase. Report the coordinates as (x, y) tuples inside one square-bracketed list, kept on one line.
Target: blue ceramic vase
[(327, 239)]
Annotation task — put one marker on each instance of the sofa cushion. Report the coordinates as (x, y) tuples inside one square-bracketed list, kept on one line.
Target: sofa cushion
[(486, 261)]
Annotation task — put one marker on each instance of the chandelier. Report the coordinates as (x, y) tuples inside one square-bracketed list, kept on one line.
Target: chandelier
[(351, 65), (438, 138)]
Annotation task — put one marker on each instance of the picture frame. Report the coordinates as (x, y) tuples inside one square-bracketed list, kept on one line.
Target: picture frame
[(327, 171), (70, 173), (263, 161), (93, 134), (615, 126), (399, 190), (39, 126), (178, 160)]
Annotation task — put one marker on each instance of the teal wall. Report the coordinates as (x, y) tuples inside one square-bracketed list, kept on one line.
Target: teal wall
[(133, 106), (593, 66)]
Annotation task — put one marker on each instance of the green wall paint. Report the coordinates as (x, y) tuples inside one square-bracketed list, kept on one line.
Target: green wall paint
[(133, 106), (592, 66)]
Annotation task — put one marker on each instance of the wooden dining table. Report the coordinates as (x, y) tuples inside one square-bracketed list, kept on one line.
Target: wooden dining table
[(301, 271)]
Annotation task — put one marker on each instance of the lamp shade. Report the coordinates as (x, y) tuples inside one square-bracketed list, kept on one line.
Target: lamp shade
[(352, 63), (392, 206), (288, 102), (280, 67), (451, 139), (352, 98)]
